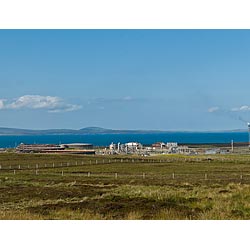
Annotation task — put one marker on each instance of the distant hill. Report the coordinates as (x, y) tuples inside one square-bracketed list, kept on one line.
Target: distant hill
[(17, 131), (97, 130), (88, 130)]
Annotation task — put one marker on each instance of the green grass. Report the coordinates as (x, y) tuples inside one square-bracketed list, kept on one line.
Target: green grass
[(127, 187)]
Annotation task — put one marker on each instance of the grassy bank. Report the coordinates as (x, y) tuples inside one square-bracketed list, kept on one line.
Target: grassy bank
[(101, 187)]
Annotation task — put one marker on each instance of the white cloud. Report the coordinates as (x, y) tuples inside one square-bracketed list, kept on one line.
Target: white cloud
[(242, 108), (52, 104), (213, 109), (65, 108)]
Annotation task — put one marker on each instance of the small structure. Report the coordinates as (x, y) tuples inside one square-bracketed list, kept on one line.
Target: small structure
[(212, 151), (133, 146), (172, 145), (112, 146), (184, 150), (158, 145)]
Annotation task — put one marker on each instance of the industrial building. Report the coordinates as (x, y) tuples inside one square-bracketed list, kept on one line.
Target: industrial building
[(172, 145), (34, 148), (77, 146), (59, 149), (127, 148), (158, 145), (132, 146)]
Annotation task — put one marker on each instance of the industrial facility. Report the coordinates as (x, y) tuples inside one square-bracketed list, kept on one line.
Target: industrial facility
[(133, 148), (155, 148)]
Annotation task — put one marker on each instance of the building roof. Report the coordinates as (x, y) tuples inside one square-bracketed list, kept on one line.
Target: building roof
[(77, 144)]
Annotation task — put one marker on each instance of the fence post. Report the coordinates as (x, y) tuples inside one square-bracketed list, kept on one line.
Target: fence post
[(67, 163), (0, 166), (19, 167), (143, 175), (116, 175), (241, 177), (36, 172), (36, 165), (173, 176), (88, 174), (62, 173), (76, 163), (96, 162), (53, 165), (14, 171), (10, 166), (45, 165), (205, 176)]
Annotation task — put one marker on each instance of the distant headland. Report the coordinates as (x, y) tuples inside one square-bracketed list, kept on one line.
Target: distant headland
[(93, 130)]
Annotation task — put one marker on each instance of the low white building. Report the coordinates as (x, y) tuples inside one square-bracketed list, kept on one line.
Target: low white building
[(172, 145), (133, 145)]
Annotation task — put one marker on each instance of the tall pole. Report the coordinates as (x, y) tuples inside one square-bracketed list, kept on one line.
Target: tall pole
[(248, 125), (232, 145)]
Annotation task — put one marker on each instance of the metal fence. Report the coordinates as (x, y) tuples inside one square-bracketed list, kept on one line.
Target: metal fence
[(64, 169), (112, 161)]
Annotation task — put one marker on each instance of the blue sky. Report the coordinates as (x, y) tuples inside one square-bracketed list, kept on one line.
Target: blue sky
[(125, 79)]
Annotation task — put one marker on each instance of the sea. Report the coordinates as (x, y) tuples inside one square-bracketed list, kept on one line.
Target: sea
[(146, 139)]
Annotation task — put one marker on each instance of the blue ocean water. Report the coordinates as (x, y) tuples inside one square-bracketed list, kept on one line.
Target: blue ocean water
[(106, 139)]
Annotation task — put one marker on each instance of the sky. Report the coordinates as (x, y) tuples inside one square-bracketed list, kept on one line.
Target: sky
[(191, 80)]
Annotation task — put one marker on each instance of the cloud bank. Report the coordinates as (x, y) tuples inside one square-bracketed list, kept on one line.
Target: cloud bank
[(52, 104), (242, 108), (241, 113)]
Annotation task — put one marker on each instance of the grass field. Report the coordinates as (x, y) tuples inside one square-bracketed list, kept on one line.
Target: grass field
[(36, 186)]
